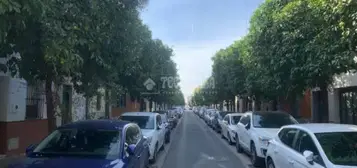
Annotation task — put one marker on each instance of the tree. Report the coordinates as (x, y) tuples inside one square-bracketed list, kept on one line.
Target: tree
[(291, 46), (95, 44)]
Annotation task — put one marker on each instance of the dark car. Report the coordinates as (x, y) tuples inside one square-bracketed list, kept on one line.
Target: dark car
[(91, 144), (173, 120), (218, 119)]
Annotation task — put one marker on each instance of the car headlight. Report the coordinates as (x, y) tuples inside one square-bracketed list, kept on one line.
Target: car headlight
[(264, 140)]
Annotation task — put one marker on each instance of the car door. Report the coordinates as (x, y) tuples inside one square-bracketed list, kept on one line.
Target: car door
[(225, 125), (245, 136), (161, 130), (284, 149), (305, 142), (132, 139), (142, 147)]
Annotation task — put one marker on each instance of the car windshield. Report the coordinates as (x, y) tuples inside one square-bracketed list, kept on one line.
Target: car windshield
[(272, 120), (222, 114), (103, 144), (144, 122), (235, 119), (339, 147)]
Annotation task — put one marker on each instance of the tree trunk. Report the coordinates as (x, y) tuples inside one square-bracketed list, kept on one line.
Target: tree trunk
[(323, 104), (51, 119), (150, 105), (227, 105), (107, 103), (221, 106), (87, 108), (274, 105)]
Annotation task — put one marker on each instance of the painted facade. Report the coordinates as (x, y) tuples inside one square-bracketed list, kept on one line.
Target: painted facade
[(342, 99)]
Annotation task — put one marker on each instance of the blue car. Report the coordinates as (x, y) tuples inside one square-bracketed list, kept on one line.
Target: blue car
[(90, 144)]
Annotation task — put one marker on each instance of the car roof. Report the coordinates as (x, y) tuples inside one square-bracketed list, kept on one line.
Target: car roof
[(264, 112), (139, 114), (96, 124), (235, 114), (324, 127)]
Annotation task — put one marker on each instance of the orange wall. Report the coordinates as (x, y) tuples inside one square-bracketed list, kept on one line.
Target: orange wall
[(304, 105), (130, 106), (35, 131)]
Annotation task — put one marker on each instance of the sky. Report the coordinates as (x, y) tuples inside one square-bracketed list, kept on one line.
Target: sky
[(196, 30)]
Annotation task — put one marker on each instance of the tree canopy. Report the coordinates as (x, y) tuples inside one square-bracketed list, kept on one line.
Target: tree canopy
[(291, 46), (95, 44)]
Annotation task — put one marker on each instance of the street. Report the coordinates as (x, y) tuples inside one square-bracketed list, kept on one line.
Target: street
[(195, 145)]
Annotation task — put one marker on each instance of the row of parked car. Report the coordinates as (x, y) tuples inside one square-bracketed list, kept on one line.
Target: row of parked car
[(132, 140), (277, 140)]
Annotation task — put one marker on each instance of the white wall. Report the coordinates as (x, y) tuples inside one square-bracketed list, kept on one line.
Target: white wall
[(340, 81)]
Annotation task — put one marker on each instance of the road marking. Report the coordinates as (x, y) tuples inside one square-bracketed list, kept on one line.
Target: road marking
[(205, 158)]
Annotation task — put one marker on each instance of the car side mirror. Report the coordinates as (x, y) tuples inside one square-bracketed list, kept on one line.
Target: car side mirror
[(309, 156), (247, 126), (131, 149), (30, 149)]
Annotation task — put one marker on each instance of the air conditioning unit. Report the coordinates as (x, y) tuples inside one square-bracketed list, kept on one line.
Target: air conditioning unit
[(13, 93)]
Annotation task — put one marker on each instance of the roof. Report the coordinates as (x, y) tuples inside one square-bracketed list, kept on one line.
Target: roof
[(325, 127), (264, 112), (139, 114), (96, 124)]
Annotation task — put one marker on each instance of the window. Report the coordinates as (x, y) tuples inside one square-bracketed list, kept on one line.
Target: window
[(81, 143), (132, 135), (144, 122), (225, 118), (245, 120), (272, 120), (99, 101), (287, 136), (235, 119), (304, 142), (339, 147)]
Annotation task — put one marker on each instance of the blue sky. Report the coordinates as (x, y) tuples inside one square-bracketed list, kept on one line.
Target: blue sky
[(196, 29)]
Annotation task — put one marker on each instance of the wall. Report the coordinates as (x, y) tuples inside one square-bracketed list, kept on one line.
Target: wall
[(78, 104), (340, 81), (14, 140), (131, 106), (304, 105)]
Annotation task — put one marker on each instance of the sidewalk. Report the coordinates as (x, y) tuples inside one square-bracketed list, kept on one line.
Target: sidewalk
[(6, 160)]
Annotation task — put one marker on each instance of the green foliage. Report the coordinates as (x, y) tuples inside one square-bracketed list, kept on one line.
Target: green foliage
[(291, 46), (96, 44)]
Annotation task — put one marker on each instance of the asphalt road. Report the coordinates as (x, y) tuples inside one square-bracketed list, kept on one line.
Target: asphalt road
[(195, 145)]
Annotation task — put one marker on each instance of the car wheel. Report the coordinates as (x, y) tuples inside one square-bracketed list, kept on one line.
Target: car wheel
[(163, 146), (270, 163), (253, 155), (153, 160), (167, 140), (238, 147)]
